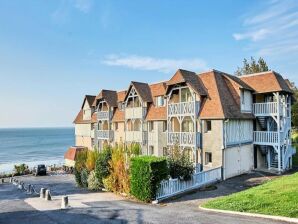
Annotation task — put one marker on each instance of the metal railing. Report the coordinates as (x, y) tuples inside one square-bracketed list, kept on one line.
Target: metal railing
[(172, 187)]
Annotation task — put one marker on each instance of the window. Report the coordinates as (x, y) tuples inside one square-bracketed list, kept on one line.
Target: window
[(116, 126), (208, 158), (151, 150), (151, 125), (160, 101), (164, 126), (121, 106), (242, 96), (165, 151), (208, 126)]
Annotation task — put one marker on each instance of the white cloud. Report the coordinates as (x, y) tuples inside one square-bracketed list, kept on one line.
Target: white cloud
[(165, 65), (272, 29)]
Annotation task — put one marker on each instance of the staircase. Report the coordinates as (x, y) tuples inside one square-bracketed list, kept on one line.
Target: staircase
[(274, 161), (262, 122)]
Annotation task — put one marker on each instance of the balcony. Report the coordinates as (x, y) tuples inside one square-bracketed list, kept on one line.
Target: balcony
[(183, 108), (190, 139), (136, 136), (134, 113), (105, 134), (265, 137), (104, 115), (265, 109)]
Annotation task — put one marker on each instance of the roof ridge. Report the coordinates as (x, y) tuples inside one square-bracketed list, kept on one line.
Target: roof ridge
[(260, 73)]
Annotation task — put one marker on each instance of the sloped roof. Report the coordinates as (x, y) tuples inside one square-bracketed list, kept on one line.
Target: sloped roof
[(223, 100), (110, 96), (90, 99), (266, 82), (190, 78), (79, 118), (121, 95), (72, 152), (118, 115), (143, 91), (158, 89), (156, 113)]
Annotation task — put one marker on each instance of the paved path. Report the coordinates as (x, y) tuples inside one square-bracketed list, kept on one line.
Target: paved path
[(101, 207)]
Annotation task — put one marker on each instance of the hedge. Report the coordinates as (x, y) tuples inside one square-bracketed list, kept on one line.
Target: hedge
[(146, 173)]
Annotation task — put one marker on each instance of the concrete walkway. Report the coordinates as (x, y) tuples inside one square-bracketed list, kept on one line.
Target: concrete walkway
[(102, 207)]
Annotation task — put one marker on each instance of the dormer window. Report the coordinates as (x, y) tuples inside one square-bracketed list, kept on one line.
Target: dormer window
[(160, 101)]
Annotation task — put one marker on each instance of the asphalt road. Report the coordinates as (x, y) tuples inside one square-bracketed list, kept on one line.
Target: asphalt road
[(13, 208)]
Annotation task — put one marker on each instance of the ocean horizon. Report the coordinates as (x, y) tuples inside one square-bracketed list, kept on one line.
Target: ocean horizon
[(33, 145)]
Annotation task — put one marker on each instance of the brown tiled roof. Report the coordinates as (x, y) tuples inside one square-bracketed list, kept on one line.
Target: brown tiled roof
[(110, 96), (158, 89), (79, 118), (265, 82), (190, 78), (223, 100), (118, 115), (156, 113), (143, 91), (72, 152), (121, 96)]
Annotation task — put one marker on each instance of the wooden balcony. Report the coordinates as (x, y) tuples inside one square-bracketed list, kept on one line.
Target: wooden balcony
[(136, 136), (104, 115), (265, 137), (134, 113), (183, 108), (105, 134), (265, 109), (190, 139)]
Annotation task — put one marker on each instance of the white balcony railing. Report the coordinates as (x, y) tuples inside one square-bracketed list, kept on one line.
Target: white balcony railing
[(105, 134), (134, 113), (183, 138), (183, 108), (265, 109), (136, 136), (266, 137), (103, 115)]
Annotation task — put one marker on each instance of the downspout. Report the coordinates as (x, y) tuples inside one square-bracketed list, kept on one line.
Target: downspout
[(224, 134)]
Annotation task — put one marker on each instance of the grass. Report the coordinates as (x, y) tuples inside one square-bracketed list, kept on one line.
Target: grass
[(277, 197)]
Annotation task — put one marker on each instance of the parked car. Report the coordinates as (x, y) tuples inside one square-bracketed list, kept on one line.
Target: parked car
[(40, 170)]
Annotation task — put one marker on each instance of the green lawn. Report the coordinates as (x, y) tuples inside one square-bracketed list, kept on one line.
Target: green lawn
[(276, 197)]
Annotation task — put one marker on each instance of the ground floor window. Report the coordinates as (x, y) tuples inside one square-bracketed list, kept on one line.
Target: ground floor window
[(208, 158), (151, 150)]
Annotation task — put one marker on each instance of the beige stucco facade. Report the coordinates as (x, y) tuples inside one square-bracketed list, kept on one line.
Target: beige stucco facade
[(157, 139)]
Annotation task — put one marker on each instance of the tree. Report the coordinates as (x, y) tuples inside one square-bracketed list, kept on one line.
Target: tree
[(252, 67)]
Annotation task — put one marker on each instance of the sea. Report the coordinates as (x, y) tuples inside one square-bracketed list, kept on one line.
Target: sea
[(33, 146)]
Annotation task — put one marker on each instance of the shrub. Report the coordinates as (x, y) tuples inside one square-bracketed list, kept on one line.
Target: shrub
[(118, 171), (21, 169), (84, 178), (146, 173), (109, 183), (92, 156), (93, 183), (81, 158), (102, 166), (180, 165), (77, 175)]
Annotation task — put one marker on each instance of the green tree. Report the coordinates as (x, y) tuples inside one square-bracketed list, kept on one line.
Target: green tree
[(252, 67)]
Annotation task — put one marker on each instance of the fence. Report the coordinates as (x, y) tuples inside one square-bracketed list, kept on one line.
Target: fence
[(172, 187)]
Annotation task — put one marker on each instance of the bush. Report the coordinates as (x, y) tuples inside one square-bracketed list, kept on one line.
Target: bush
[(81, 158), (92, 156), (109, 183), (21, 169), (84, 178), (77, 175), (118, 171), (146, 173), (93, 183), (180, 165), (102, 166)]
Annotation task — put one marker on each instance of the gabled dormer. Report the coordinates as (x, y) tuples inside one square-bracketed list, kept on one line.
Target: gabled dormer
[(87, 108)]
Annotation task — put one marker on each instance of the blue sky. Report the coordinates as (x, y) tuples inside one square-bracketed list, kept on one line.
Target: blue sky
[(54, 52)]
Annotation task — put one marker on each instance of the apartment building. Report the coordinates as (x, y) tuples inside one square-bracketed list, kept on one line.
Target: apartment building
[(84, 124), (217, 119)]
